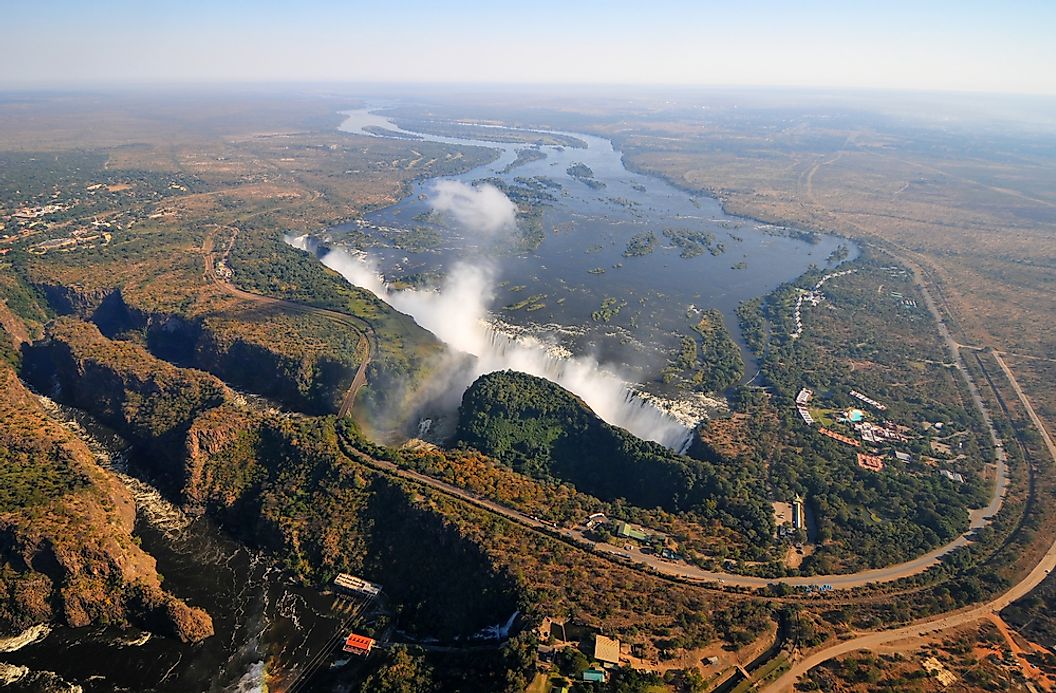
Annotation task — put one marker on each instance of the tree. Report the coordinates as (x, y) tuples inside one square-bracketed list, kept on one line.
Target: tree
[(402, 673)]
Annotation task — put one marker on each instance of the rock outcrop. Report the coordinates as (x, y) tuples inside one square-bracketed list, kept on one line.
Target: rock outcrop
[(312, 361), (278, 481), (149, 401), (67, 552)]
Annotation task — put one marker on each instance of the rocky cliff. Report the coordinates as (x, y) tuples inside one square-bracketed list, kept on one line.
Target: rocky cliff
[(277, 481), (150, 401), (311, 361), (67, 552)]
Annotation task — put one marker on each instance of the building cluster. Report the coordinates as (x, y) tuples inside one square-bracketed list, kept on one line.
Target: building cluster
[(595, 521), (797, 519), (31, 213), (880, 433), (354, 585), (839, 437), (358, 644), (604, 652), (868, 400), (813, 297), (647, 541), (952, 476), (223, 271), (802, 400), (351, 586), (876, 434), (88, 236), (902, 300)]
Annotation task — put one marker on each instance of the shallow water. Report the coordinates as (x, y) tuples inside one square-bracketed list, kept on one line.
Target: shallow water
[(553, 299), (588, 229)]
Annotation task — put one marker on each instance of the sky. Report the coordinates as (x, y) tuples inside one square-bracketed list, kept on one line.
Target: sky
[(1001, 46)]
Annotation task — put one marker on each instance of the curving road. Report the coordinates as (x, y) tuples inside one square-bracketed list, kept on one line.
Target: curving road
[(368, 338), (868, 640), (915, 631), (652, 562)]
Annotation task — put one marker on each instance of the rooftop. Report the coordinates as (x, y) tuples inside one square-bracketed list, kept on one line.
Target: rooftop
[(606, 649)]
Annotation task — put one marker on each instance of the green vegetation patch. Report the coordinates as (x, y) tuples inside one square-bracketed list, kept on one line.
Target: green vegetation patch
[(863, 339), (524, 156), (693, 243), (531, 303), (709, 360), (36, 467), (610, 308), (640, 244), (585, 174), (544, 431)]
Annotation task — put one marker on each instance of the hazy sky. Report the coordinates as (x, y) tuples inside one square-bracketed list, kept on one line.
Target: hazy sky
[(996, 45)]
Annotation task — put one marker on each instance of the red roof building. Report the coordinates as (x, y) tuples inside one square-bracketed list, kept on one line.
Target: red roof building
[(358, 644), (842, 438), (873, 463)]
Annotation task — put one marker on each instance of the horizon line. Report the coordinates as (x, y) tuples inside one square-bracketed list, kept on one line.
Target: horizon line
[(160, 85)]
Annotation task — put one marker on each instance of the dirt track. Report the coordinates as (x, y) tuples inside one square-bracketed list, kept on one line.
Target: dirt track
[(368, 339)]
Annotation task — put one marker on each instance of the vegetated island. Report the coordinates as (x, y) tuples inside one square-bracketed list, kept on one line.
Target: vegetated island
[(585, 174), (693, 243), (525, 156), (709, 360), (640, 244)]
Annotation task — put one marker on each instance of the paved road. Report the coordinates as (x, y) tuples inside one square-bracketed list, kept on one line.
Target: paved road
[(651, 561), (864, 641), (655, 563), (872, 640), (685, 571)]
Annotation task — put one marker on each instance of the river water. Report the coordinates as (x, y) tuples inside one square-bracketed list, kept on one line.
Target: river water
[(578, 294), (266, 625)]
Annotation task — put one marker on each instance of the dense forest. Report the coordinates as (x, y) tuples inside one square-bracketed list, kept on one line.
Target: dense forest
[(708, 360), (544, 431), (880, 344)]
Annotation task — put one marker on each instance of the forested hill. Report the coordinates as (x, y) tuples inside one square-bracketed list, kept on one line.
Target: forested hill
[(543, 430)]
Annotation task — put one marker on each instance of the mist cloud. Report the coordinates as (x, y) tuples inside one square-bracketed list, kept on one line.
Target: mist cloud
[(484, 208), (458, 315)]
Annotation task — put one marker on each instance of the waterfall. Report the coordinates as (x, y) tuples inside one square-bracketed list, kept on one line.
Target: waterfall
[(458, 315)]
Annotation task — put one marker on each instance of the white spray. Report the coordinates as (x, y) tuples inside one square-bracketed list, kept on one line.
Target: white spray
[(458, 315), (484, 208)]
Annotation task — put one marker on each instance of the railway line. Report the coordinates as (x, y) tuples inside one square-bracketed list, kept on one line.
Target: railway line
[(917, 631)]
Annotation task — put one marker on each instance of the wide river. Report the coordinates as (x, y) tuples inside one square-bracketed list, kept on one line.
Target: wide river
[(579, 291), (266, 624)]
